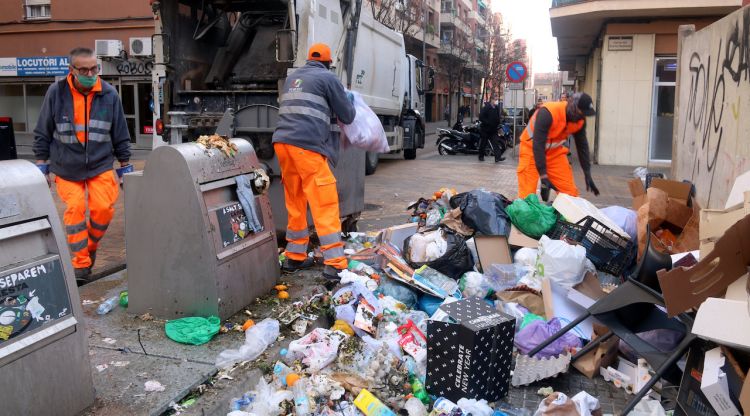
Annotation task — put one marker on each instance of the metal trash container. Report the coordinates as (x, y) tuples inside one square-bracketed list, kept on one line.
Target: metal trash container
[(44, 352), (7, 139), (190, 247)]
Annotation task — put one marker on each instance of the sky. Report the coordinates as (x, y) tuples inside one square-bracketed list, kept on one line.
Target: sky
[(529, 19)]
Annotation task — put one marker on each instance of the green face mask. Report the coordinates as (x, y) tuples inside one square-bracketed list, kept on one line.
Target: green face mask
[(86, 81)]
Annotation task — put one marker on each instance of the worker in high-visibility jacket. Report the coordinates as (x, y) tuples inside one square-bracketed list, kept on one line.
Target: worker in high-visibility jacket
[(306, 141), (80, 131), (543, 154)]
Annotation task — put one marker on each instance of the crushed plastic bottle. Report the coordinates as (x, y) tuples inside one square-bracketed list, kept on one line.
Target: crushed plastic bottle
[(301, 401), (108, 305), (242, 402), (280, 371)]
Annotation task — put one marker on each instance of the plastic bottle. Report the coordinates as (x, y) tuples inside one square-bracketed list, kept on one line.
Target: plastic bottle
[(280, 371), (443, 405), (301, 401), (108, 305), (418, 389)]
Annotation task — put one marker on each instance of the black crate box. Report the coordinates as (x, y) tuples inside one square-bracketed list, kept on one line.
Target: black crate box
[(471, 355)]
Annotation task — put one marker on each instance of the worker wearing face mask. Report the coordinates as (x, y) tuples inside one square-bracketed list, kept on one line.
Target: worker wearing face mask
[(490, 122), (80, 131), (543, 154)]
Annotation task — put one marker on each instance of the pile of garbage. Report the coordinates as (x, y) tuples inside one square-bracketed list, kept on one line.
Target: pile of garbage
[(439, 315)]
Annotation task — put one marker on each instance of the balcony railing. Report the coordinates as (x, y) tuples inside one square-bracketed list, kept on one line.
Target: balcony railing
[(561, 3)]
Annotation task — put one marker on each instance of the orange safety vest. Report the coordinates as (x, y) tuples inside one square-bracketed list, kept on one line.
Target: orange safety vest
[(560, 128), (82, 108)]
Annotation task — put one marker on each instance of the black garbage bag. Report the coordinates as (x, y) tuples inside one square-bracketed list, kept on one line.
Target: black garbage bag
[(454, 263), (483, 211)]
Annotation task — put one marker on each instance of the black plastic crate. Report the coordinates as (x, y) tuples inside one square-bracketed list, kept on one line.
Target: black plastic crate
[(609, 251)]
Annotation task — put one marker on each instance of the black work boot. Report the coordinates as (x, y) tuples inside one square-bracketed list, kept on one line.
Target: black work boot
[(290, 265), (331, 273), (82, 275)]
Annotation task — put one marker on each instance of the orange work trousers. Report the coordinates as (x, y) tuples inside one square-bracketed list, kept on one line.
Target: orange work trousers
[(307, 180), (83, 237), (559, 171)]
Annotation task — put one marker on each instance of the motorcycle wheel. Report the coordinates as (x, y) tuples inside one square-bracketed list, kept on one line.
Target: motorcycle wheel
[(442, 151)]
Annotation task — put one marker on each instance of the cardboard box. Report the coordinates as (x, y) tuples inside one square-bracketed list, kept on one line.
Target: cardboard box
[(714, 384), (519, 239), (665, 204), (690, 398), (470, 355), (745, 395), (397, 234), (715, 222), (492, 249)]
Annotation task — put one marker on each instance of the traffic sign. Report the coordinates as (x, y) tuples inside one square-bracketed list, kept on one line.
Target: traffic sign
[(516, 71)]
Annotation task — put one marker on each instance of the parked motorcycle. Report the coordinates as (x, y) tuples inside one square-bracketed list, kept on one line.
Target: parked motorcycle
[(460, 139)]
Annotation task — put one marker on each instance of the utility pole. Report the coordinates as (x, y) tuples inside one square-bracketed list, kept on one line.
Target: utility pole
[(424, 33)]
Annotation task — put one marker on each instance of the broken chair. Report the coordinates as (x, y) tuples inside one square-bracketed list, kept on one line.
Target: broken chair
[(636, 307)]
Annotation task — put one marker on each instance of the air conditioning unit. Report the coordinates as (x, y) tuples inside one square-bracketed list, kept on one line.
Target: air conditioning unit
[(140, 46), (107, 47)]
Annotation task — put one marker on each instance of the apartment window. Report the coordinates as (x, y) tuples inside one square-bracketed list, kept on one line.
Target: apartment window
[(37, 9), (446, 6), (446, 36)]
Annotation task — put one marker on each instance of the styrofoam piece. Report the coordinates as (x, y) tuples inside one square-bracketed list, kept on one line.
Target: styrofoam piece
[(530, 369), (575, 209), (725, 322), (736, 195)]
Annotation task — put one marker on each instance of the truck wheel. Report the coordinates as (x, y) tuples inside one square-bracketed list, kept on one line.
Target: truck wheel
[(371, 162), (410, 154)]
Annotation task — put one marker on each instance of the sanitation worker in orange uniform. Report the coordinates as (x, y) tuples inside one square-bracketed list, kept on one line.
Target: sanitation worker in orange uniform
[(80, 132), (306, 142), (543, 153)]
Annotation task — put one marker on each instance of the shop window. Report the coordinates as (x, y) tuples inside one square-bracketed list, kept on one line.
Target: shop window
[(34, 99), (37, 9), (12, 105)]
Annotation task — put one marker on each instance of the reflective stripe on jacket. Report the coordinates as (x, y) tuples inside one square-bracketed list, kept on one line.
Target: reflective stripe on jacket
[(560, 128), (81, 146), (311, 100)]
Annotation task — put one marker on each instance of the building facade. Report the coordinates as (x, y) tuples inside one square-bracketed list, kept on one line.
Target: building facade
[(624, 54), (36, 37)]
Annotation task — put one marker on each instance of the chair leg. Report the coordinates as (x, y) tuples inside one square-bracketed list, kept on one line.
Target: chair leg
[(659, 373), (559, 333), (590, 346)]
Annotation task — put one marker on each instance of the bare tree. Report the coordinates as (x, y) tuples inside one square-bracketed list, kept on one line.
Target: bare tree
[(403, 16), (500, 55), (455, 58)]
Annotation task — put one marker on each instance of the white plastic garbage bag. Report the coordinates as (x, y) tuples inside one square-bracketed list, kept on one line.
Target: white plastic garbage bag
[(366, 131), (427, 247), (625, 218), (257, 339), (475, 407), (561, 262), (316, 349)]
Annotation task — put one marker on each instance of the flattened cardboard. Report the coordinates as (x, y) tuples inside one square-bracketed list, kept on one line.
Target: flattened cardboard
[(687, 288), (712, 323), (715, 222), (519, 239), (557, 305), (588, 291), (492, 249), (397, 234)]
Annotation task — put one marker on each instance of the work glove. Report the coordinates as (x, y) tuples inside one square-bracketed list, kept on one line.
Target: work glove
[(123, 169), (44, 168), (546, 186), (590, 185)]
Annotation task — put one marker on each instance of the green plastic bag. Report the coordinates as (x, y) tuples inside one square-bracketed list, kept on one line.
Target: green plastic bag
[(531, 216), (193, 330), (529, 318)]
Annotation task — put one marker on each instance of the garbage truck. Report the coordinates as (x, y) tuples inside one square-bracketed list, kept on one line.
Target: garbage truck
[(219, 66)]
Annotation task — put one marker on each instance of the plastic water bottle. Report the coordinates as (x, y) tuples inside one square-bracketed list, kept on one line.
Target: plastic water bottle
[(301, 401), (280, 371), (417, 388), (108, 305)]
